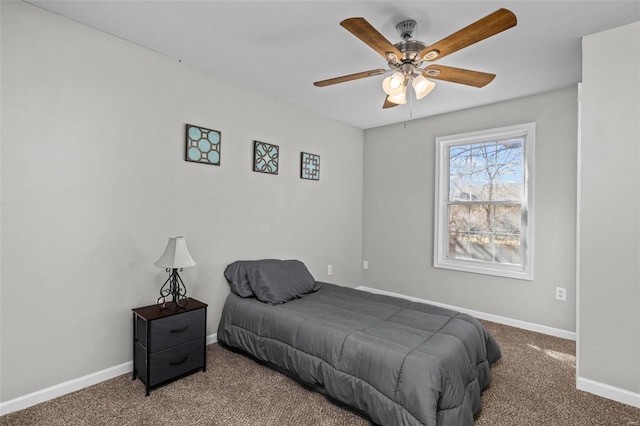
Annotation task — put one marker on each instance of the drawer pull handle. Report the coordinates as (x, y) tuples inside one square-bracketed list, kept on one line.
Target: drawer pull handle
[(182, 361), (180, 330)]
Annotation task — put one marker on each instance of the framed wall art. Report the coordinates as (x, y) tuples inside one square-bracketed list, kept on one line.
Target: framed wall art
[(203, 145), (309, 166), (265, 157)]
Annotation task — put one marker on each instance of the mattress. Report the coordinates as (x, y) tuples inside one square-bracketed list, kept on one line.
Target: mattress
[(399, 362)]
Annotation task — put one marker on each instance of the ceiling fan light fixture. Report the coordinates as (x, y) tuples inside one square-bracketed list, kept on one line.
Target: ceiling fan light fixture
[(399, 99), (422, 86), (393, 85)]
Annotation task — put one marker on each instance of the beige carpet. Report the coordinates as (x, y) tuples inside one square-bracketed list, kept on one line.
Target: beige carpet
[(533, 384)]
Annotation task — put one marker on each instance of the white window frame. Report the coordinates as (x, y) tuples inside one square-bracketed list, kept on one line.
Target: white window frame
[(441, 219)]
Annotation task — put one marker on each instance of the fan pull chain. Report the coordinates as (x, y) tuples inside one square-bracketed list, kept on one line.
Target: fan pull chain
[(410, 108)]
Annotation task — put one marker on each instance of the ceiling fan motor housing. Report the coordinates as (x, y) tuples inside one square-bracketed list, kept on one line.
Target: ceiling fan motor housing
[(410, 49)]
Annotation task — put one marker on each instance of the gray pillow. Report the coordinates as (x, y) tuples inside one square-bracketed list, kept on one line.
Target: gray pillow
[(280, 281), (236, 275)]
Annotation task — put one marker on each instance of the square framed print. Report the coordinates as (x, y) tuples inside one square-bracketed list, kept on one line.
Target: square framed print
[(265, 157), (309, 166), (203, 145)]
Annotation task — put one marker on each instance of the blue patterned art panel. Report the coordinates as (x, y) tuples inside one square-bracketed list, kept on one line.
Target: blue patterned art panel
[(203, 145), (309, 166), (265, 158)]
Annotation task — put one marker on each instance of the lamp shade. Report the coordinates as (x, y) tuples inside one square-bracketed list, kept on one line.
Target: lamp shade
[(176, 255), (422, 86), (392, 85), (400, 98)]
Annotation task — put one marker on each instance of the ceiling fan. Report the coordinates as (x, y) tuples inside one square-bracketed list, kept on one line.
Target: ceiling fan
[(406, 57)]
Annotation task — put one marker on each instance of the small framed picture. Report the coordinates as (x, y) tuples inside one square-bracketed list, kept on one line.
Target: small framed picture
[(309, 166), (265, 157), (203, 145)]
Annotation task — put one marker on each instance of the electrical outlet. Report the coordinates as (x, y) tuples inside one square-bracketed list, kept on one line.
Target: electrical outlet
[(330, 270), (561, 294), (365, 264)]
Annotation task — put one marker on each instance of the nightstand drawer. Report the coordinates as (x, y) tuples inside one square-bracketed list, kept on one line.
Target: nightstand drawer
[(176, 329), (174, 362)]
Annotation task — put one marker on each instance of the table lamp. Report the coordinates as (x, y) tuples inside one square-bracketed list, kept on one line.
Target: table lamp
[(175, 257)]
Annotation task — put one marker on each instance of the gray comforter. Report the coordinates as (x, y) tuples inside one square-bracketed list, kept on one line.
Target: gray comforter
[(397, 361)]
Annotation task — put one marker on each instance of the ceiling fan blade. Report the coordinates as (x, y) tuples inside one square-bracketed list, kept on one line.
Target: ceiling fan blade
[(388, 103), (458, 75), (360, 28), (492, 24), (349, 77)]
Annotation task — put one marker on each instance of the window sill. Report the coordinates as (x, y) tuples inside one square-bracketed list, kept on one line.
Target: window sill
[(479, 268)]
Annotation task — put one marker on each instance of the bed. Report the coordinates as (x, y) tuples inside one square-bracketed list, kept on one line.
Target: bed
[(396, 361)]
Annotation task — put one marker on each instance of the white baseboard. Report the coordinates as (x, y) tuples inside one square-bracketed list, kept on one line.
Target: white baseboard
[(557, 332), (64, 388), (608, 391), (212, 338)]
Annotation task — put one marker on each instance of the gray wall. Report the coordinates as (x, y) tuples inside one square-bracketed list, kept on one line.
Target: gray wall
[(399, 205), (94, 182), (609, 250)]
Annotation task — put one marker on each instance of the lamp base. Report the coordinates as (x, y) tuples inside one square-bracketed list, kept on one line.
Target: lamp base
[(174, 287)]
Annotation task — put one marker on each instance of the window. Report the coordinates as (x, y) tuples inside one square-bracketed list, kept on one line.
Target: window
[(484, 192)]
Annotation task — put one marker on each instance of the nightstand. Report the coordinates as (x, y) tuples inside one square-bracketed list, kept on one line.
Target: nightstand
[(169, 342)]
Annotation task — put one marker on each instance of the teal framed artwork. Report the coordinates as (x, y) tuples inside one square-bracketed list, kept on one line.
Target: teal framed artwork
[(203, 145), (265, 157), (309, 166)]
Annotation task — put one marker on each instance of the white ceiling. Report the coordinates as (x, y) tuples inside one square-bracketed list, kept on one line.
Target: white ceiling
[(282, 47)]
